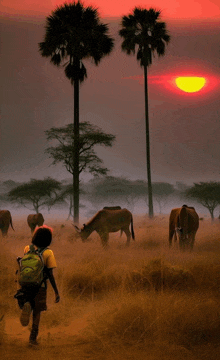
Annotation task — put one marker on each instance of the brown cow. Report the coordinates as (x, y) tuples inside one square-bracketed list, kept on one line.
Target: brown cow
[(106, 221), (183, 222), (5, 221), (34, 220)]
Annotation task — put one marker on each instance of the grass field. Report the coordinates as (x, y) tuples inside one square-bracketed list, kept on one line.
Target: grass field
[(142, 302)]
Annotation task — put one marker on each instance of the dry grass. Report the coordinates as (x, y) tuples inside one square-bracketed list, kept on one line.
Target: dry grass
[(122, 303)]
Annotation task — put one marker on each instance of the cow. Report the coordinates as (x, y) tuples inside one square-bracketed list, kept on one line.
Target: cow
[(34, 220), (183, 222), (106, 221), (112, 208), (5, 221)]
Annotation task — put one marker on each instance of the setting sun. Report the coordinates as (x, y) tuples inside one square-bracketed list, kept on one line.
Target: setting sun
[(190, 84)]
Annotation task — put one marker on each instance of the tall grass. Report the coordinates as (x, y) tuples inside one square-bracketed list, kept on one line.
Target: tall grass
[(143, 297)]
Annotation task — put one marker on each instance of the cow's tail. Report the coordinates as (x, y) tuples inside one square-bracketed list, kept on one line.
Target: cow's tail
[(11, 223), (183, 219), (132, 229)]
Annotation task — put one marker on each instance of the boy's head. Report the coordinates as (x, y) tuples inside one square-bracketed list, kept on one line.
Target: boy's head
[(42, 236)]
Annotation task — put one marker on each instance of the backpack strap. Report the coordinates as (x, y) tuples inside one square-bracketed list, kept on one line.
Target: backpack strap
[(31, 248), (41, 251)]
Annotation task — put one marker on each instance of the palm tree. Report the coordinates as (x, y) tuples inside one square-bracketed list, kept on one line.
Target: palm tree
[(142, 29), (74, 33)]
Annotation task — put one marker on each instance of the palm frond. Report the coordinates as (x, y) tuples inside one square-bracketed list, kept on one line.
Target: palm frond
[(75, 32), (143, 31)]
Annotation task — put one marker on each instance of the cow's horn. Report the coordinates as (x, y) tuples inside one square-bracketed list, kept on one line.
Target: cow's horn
[(76, 227)]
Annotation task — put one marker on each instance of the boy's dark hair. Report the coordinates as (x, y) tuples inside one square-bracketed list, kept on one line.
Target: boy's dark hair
[(42, 237)]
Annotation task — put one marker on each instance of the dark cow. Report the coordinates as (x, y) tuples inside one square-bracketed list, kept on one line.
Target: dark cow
[(183, 222), (5, 221), (107, 221), (112, 208), (34, 220)]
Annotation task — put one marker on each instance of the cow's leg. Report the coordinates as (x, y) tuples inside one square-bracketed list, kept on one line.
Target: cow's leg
[(104, 239), (171, 233), (175, 236), (181, 242), (192, 240), (128, 234), (5, 231)]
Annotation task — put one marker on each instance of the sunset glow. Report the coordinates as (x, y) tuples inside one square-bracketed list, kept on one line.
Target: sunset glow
[(202, 9), (190, 84)]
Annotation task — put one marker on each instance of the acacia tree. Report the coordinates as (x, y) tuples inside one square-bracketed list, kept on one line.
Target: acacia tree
[(90, 136), (66, 195), (207, 194), (143, 30), (161, 193), (39, 193), (75, 33), (116, 191)]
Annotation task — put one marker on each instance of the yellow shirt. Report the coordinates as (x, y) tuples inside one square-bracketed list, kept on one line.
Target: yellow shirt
[(48, 257)]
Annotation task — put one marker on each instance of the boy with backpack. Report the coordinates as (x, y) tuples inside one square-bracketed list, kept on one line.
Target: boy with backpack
[(35, 268)]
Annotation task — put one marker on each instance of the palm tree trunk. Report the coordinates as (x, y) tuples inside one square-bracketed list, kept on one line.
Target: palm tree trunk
[(76, 152), (150, 196)]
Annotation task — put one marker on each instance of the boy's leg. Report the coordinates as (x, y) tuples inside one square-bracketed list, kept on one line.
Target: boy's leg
[(35, 327), (39, 305), (25, 314)]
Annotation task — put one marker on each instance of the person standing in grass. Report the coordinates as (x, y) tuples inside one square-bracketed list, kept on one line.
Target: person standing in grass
[(33, 299)]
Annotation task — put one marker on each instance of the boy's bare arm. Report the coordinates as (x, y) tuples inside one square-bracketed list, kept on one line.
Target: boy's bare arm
[(53, 283)]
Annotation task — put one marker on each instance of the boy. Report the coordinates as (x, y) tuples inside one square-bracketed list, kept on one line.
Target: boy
[(32, 300)]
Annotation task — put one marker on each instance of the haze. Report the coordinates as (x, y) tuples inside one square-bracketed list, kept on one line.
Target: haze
[(36, 96)]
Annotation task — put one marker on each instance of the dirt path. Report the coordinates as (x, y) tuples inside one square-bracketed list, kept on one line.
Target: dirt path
[(54, 343)]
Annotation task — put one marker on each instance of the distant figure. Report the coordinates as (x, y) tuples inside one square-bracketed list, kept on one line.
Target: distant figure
[(107, 221), (32, 295), (183, 222), (5, 221), (34, 220)]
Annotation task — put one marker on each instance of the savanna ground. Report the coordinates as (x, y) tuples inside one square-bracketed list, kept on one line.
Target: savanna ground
[(145, 302)]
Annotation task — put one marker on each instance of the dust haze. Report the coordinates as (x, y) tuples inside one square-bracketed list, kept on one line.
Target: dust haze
[(142, 302)]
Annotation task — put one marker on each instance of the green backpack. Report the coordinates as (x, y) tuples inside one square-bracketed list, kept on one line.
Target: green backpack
[(31, 268)]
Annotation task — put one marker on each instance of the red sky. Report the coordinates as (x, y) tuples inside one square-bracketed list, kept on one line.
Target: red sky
[(176, 9), (36, 95)]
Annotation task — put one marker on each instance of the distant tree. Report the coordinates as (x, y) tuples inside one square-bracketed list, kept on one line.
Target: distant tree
[(207, 194), (75, 33), (161, 193), (90, 137), (38, 193), (114, 191), (142, 29), (66, 194), (5, 187), (181, 186)]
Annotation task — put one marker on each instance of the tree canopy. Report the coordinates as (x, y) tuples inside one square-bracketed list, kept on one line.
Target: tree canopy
[(161, 192), (90, 136), (38, 193), (207, 194), (74, 33), (116, 191)]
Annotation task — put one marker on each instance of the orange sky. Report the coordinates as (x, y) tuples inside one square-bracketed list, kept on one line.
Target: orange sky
[(176, 9)]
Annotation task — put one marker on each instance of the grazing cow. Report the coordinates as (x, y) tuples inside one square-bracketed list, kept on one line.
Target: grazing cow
[(34, 220), (5, 221), (106, 221), (183, 222)]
